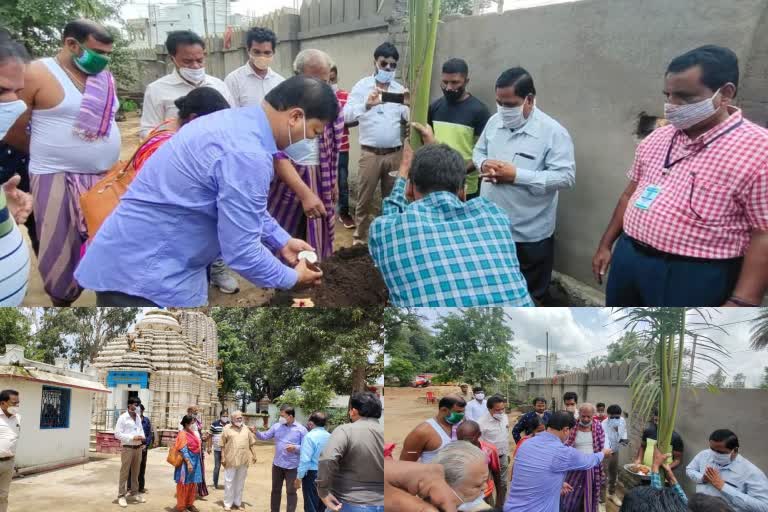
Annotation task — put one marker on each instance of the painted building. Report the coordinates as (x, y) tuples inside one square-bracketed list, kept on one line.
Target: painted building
[(169, 361), (55, 410), (541, 369)]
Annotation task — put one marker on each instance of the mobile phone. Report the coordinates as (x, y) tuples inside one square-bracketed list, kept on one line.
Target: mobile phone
[(392, 97)]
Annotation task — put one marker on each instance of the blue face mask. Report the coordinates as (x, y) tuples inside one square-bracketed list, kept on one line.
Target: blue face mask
[(301, 152), (9, 112), (383, 76)]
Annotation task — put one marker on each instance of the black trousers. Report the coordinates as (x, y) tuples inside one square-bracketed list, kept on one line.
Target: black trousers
[(13, 161), (122, 300), (289, 475), (536, 262)]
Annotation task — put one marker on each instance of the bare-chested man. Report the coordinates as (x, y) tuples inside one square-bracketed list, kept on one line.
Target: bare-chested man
[(429, 437), (73, 141)]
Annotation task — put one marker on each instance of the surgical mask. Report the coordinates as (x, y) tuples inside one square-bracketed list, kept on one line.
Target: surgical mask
[(468, 505), (511, 117), (261, 62), (302, 151), (453, 96), (721, 459), (585, 423), (10, 112), (454, 417), (225, 419), (499, 416), (479, 396), (196, 76), (335, 87), (571, 408), (683, 117), (13, 410), (384, 76), (90, 62), (282, 420)]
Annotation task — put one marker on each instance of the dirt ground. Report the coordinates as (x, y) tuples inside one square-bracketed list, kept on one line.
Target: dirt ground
[(93, 486), (249, 294), (407, 407)]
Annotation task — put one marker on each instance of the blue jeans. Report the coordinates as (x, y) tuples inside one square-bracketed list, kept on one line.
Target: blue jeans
[(344, 183), (312, 501), (346, 507), (216, 467)]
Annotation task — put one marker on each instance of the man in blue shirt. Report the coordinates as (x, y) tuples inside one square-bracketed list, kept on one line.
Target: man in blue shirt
[(721, 471), (202, 194), (539, 409), (525, 158), (311, 447), (541, 465), (439, 250)]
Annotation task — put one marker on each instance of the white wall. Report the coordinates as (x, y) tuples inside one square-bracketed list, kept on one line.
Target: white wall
[(50, 446)]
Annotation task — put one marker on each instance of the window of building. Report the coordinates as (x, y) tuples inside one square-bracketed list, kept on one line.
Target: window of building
[(54, 408)]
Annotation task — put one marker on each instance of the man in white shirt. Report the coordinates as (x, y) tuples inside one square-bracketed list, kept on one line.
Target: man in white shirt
[(380, 133), (130, 432), (615, 428), (187, 52), (10, 427), (476, 408), (721, 471), (495, 430), (250, 83)]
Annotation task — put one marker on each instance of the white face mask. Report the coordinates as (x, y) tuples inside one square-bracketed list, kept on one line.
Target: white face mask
[(225, 419), (512, 117), (282, 420), (13, 410), (383, 76), (10, 112), (196, 76), (468, 505), (683, 117), (335, 87), (301, 152), (480, 396), (721, 459), (499, 415)]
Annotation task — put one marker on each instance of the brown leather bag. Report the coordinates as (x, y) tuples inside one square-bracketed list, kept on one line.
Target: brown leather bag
[(175, 458), (102, 199)]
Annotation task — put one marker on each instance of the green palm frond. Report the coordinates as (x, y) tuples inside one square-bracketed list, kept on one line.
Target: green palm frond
[(759, 331)]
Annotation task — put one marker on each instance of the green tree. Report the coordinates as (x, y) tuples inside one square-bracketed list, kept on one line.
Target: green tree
[(759, 332), (764, 384), (51, 326), (475, 344), (236, 361), (463, 7), (317, 392), (717, 379), (408, 339), (628, 347), (14, 328), (92, 327), (401, 369), (596, 361)]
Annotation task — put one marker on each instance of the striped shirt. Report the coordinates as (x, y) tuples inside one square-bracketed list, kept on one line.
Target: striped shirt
[(14, 259), (440, 251), (342, 96)]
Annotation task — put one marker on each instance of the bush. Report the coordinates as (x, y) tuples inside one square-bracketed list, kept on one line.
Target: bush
[(128, 106), (402, 369)]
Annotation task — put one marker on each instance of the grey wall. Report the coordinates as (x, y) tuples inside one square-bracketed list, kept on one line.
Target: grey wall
[(745, 411), (597, 64)]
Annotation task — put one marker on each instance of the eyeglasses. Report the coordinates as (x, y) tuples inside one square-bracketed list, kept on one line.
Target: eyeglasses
[(389, 66)]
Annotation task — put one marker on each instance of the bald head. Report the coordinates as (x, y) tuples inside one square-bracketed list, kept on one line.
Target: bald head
[(469, 431), (586, 415)]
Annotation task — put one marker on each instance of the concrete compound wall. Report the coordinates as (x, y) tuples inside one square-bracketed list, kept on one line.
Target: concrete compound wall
[(744, 411), (597, 64)]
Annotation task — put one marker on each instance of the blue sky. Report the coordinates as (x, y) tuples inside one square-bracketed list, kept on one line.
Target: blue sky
[(578, 334)]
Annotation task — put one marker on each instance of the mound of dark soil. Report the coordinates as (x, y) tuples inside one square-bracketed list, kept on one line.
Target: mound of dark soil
[(349, 279)]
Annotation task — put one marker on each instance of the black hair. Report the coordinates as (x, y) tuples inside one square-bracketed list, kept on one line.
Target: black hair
[(187, 419), (532, 424), (613, 409), (450, 401), (706, 503), (201, 101), (719, 65), (141, 406), (570, 395), (477, 388), (367, 404), (182, 38), (648, 499), (539, 399), (519, 79), (495, 399), (134, 400), (318, 418), (600, 404), (334, 68), (79, 30), (288, 409), (260, 35), (561, 419), (315, 98), (731, 441), (223, 412), (459, 66), (437, 168), (10, 49), (386, 50), (6, 394)]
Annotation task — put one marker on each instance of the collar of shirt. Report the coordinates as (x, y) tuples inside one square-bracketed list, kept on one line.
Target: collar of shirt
[(250, 71), (394, 86), (734, 118), (446, 202)]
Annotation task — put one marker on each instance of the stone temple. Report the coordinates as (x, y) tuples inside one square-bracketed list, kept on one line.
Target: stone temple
[(169, 361)]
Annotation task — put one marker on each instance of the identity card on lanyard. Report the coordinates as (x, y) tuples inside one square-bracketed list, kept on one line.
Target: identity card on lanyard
[(648, 196)]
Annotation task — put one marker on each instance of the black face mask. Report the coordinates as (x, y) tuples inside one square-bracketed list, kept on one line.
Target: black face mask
[(453, 96)]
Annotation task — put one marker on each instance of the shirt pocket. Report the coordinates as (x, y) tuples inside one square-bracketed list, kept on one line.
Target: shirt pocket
[(705, 200), (529, 155)]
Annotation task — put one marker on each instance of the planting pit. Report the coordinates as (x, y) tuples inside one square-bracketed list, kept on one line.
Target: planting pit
[(349, 279)]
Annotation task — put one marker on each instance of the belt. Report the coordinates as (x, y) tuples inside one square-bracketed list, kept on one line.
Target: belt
[(380, 151), (652, 251), (133, 447), (3, 459)]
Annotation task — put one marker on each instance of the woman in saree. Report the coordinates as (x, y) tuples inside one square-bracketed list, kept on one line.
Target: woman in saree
[(189, 473)]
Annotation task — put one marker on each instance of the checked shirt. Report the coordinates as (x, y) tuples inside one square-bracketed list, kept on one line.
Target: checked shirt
[(440, 251)]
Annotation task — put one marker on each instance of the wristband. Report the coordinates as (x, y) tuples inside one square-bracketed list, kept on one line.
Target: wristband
[(741, 302)]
